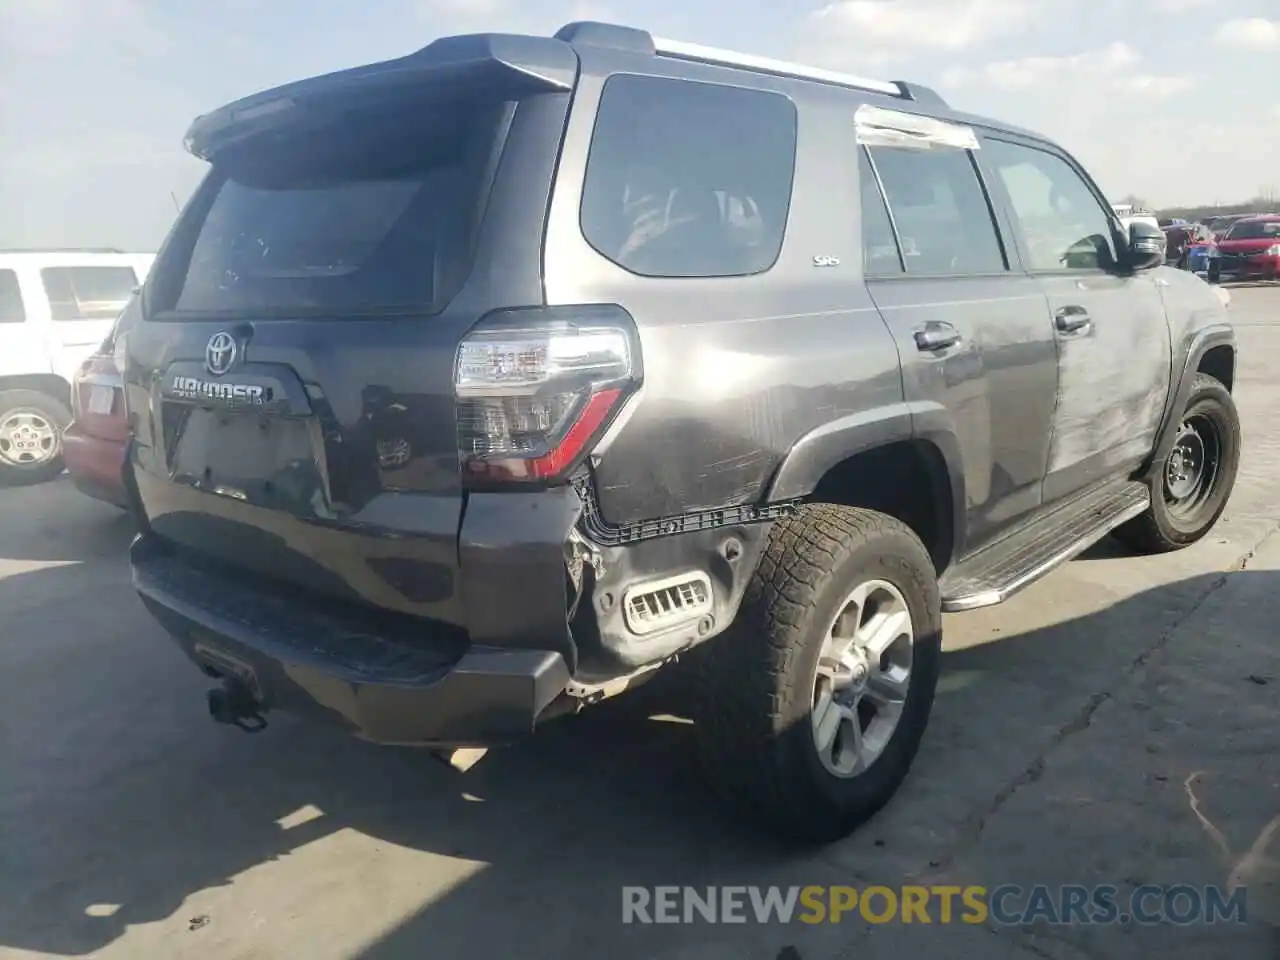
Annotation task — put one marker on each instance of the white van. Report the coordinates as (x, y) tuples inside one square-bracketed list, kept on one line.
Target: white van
[(56, 308)]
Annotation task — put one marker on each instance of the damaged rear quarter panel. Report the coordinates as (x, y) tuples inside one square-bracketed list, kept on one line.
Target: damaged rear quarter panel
[(737, 369), (607, 647)]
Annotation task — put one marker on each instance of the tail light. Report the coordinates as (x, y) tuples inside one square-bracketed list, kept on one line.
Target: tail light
[(535, 389)]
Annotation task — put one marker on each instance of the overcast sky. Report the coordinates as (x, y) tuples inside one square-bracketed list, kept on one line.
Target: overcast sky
[(1174, 100)]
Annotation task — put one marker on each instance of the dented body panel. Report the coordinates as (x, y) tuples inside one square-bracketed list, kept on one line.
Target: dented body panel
[(1113, 379)]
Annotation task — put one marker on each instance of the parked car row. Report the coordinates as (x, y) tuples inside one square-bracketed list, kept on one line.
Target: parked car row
[(57, 311), (1248, 248)]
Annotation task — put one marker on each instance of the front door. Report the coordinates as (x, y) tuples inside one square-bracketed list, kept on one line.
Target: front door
[(1113, 344)]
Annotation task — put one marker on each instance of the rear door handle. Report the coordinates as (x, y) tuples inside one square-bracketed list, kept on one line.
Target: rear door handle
[(937, 336), (1072, 319)]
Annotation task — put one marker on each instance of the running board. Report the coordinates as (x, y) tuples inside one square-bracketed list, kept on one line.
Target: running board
[(998, 571)]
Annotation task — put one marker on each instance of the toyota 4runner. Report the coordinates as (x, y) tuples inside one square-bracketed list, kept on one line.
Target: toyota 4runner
[(473, 387)]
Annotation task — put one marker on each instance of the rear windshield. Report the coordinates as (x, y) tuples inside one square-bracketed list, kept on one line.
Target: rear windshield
[(374, 213), (1255, 230)]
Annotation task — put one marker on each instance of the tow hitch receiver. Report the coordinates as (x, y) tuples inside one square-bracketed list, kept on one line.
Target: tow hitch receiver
[(234, 704)]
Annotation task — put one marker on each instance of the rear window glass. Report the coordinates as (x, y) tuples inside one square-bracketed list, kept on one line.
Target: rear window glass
[(689, 179), (88, 293), (940, 210), (373, 213), (880, 255), (11, 310)]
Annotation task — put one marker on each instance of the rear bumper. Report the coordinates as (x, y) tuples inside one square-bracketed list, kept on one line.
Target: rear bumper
[(95, 465), (403, 684)]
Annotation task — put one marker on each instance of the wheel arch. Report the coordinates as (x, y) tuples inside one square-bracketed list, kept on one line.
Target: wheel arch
[(50, 384), (902, 460), (1212, 350), (1219, 362)]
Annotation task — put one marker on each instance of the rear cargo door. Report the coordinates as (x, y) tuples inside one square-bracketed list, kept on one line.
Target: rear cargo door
[(291, 382)]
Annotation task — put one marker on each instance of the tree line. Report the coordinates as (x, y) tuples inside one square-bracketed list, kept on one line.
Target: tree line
[(1262, 203)]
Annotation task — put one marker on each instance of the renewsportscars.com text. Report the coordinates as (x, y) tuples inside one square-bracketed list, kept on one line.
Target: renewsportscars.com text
[(1004, 905)]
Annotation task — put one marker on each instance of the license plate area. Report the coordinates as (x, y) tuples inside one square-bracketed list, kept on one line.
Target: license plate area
[(102, 399), (257, 457)]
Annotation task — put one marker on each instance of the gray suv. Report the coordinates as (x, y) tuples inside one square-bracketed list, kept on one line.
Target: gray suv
[(474, 387)]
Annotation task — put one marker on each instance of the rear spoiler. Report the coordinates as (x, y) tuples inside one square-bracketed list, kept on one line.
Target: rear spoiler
[(520, 63)]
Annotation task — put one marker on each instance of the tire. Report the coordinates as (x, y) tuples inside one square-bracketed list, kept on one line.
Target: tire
[(754, 716), (1171, 524), (1213, 273), (38, 412)]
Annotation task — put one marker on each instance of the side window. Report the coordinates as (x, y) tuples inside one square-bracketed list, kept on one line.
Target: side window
[(689, 179), (1064, 225), (88, 293), (11, 309), (880, 255), (940, 209)]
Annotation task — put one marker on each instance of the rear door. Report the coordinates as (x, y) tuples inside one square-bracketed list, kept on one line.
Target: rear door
[(291, 381), (1113, 346)]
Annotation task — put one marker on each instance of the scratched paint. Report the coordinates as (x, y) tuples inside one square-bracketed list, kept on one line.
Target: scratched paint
[(1113, 381)]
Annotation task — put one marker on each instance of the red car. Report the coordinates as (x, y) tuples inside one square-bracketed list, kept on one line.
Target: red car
[(94, 444), (1250, 250)]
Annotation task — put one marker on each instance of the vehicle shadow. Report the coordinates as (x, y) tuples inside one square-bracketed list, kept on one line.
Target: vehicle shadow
[(121, 800), (54, 522)]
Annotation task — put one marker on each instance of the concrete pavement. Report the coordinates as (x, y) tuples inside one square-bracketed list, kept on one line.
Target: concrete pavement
[(1115, 724)]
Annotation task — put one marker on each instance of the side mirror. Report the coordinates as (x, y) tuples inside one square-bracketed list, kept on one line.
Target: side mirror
[(1147, 245)]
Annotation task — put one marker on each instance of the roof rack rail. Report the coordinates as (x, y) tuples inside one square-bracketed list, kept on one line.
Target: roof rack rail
[(635, 40), (61, 250), (697, 53)]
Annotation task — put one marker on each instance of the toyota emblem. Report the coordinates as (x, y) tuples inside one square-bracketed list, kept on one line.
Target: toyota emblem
[(220, 353)]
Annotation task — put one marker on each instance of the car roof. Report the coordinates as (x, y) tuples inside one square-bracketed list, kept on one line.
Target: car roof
[(550, 63)]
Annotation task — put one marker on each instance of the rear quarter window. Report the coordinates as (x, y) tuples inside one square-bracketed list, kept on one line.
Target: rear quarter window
[(11, 309), (689, 179), (88, 293)]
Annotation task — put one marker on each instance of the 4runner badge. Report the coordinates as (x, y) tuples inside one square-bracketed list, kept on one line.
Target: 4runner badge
[(191, 388), (220, 353)]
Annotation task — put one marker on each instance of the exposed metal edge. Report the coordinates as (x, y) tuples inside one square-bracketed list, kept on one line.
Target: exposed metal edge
[(592, 693), (995, 595), (601, 532)]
